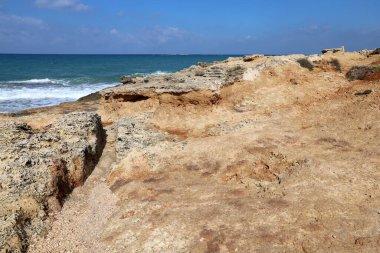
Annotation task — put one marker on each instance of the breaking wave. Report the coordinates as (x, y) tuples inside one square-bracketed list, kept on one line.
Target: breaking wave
[(33, 93), (16, 95), (38, 81)]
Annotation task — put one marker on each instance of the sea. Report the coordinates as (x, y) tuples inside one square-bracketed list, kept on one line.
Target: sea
[(32, 81)]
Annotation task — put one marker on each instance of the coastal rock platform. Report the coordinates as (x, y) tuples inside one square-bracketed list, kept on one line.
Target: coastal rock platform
[(253, 154)]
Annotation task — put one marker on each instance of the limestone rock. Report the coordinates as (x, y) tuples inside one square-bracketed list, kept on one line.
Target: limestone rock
[(365, 52), (194, 163), (233, 59), (333, 50), (199, 77), (204, 64), (127, 80), (38, 169), (249, 58), (133, 133)]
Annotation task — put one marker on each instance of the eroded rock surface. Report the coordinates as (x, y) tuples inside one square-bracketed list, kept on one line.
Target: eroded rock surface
[(38, 169), (253, 154), (195, 78)]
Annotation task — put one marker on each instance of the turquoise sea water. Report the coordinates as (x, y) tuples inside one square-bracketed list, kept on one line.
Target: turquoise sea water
[(29, 81)]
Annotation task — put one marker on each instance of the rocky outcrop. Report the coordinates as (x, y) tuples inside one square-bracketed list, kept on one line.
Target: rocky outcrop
[(333, 50), (249, 58), (201, 77), (127, 79), (198, 77), (38, 169), (234, 156)]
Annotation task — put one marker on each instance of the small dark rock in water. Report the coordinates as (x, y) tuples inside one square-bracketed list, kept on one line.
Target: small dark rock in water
[(366, 92)]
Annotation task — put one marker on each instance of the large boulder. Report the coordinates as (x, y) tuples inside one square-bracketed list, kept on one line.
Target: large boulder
[(38, 169)]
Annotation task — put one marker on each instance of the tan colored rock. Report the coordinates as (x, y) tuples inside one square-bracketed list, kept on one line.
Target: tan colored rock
[(249, 58), (333, 50), (280, 159), (38, 169)]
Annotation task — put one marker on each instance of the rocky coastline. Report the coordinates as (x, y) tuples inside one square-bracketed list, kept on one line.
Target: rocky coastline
[(252, 154)]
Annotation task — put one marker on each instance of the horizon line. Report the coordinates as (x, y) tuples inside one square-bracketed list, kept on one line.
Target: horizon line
[(123, 54)]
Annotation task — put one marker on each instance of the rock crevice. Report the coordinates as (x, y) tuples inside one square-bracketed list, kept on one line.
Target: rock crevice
[(39, 168)]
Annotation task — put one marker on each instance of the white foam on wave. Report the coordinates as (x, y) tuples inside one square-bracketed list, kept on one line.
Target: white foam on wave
[(156, 73), (38, 81), (159, 73), (71, 92), (23, 94)]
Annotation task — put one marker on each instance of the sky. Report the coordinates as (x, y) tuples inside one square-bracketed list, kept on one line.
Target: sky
[(187, 27)]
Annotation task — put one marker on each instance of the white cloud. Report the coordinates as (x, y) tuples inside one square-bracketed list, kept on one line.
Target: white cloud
[(11, 19), (114, 31), (250, 37), (157, 35), (20, 32), (75, 5), (165, 34)]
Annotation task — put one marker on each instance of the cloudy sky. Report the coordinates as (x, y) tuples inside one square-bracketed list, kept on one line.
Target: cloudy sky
[(182, 27)]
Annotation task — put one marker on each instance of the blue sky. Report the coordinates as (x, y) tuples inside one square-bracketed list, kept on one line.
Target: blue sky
[(182, 27)]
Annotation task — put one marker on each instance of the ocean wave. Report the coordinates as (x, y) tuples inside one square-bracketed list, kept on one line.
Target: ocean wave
[(22, 104), (155, 73), (38, 81), (159, 73), (18, 95), (71, 92), (74, 80)]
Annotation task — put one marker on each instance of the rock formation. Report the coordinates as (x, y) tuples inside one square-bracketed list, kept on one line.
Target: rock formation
[(252, 154), (38, 169), (333, 50)]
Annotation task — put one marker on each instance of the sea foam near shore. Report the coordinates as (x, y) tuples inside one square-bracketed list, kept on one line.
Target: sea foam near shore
[(24, 94)]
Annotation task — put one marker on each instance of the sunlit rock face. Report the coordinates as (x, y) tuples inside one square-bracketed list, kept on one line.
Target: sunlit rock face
[(39, 168)]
